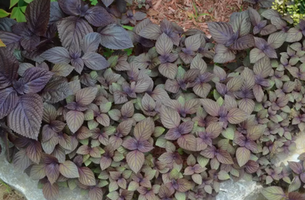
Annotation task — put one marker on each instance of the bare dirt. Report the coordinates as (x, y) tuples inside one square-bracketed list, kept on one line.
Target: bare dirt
[(7, 193)]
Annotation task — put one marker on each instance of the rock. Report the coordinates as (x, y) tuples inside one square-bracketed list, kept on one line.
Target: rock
[(240, 190), (28, 187)]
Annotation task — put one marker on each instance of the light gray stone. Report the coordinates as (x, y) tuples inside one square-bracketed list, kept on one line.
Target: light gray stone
[(240, 190), (28, 187)]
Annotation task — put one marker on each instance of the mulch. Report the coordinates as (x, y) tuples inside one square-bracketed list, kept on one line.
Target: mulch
[(194, 13)]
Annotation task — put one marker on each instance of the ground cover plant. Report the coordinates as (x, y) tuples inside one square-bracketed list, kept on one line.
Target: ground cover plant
[(152, 112)]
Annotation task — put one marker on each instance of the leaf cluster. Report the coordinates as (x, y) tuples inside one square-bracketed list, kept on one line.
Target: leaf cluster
[(171, 120)]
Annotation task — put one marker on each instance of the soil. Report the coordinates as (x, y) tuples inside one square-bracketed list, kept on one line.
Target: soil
[(194, 13), (7, 193)]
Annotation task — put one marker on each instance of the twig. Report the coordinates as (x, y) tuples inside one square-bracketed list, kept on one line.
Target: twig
[(156, 6)]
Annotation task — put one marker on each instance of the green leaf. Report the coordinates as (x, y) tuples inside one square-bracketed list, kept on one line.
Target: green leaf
[(13, 3), (3, 13), (223, 175), (128, 27), (28, 1), (2, 44), (94, 2), (228, 133), (295, 185), (273, 193), (18, 14)]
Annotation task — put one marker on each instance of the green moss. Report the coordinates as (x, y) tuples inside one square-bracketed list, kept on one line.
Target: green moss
[(294, 8)]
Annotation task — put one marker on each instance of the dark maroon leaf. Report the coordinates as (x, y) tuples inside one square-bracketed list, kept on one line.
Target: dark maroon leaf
[(70, 7), (115, 37), (34, 79), (71, 31), (95, 61), (98, 16), (56, 90), (37, 15), (56, 55), (8, 101), (8, 68), (26, 118)]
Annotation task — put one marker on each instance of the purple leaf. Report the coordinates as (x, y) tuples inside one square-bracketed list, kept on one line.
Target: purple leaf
[(38, 172), (251, 166), (95, 61), (242, 155), (86, 176), (34, 79), (21, 161), (169, 117), (62, 69), (98, 16), (103, 119), (74, 120), (86, 96), (144, 129), (68, 169), (8, 101), (96, 193), (71, 31), (37, 15), (224, 157), (107, 2), (91, 42), (115, 37), (56, 55), (8, 68), (168, 70), (52, 172), (210, 106), (164, 45), (221, 32), (243, 42), (296, 167), (144, 146), (70, 7), (236, 116), (105, 162), (135, 160), (193, 42), (150, 31), (256, 54), (56, 90), (55, 13), (50, 191), (188, 142), (34, 151), (130, 144), (26, 118)]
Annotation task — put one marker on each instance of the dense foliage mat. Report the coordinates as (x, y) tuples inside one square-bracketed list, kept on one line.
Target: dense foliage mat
[(152, 112)]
